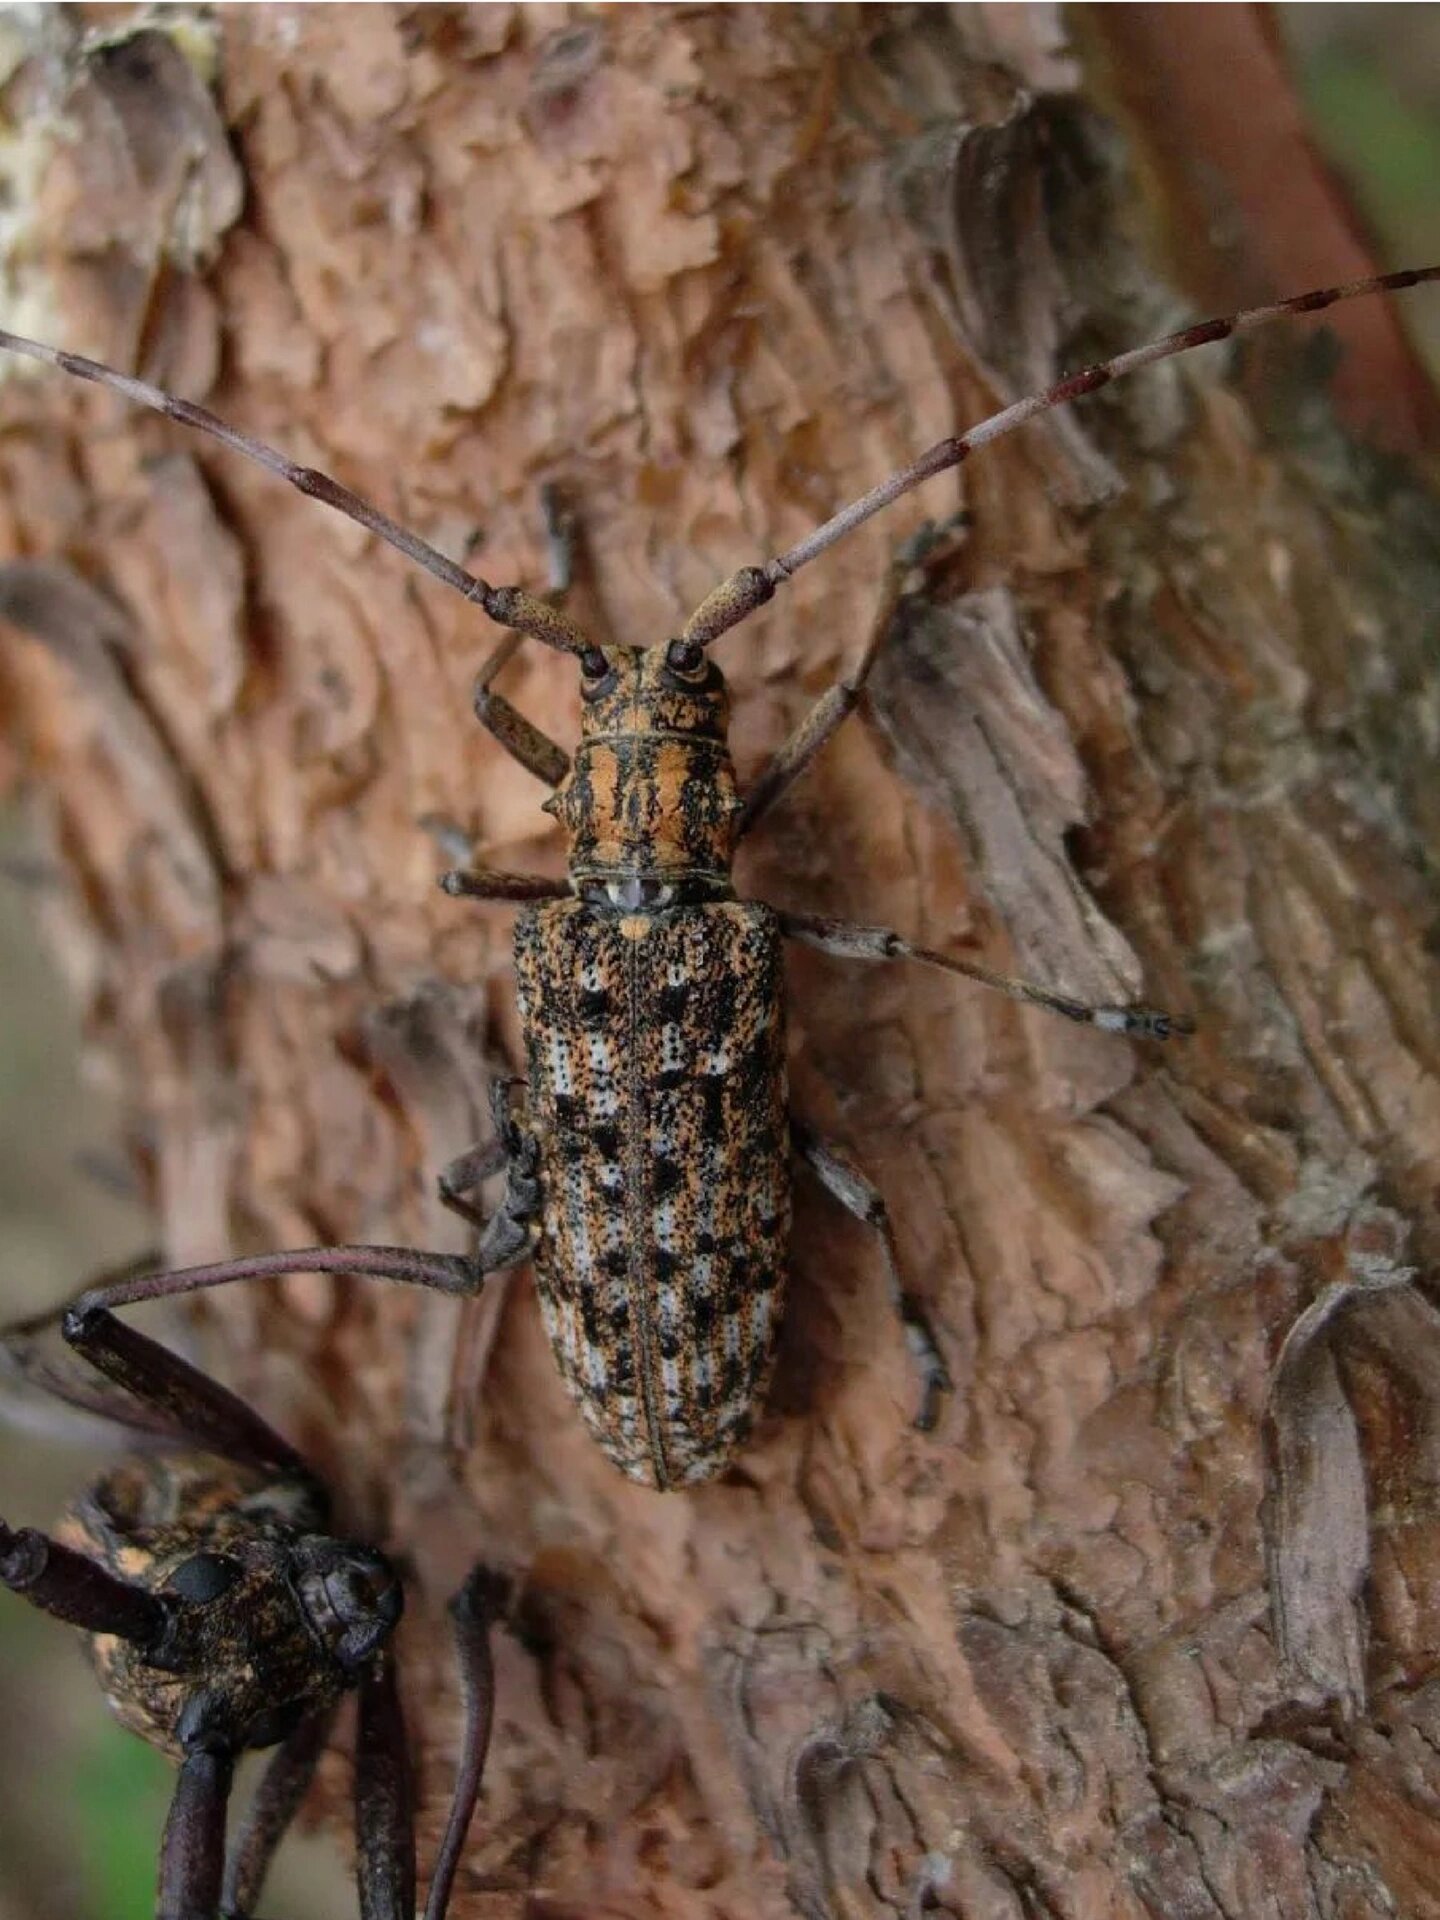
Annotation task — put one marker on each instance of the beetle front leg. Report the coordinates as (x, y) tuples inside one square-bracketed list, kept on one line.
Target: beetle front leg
[(472, 1610), (852, 942), (192, 1854), (863, 1201), (520, 738), (283, 1787), (384, 1800), (384, 1783)]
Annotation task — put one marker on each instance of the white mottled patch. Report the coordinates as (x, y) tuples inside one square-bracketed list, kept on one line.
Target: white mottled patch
[(667, 1312), (602, 1057), (670, 1379), (558, 1060), (597, 1372), (577, 1221), (665, 1225), (760, 1317)]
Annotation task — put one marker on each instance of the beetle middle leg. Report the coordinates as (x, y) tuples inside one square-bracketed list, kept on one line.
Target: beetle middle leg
[(507, 1235), (844, 1182), (854, 942), (271, 1812)]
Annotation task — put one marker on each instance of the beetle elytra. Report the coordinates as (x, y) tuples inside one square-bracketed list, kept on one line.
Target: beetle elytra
[(646, 1153)]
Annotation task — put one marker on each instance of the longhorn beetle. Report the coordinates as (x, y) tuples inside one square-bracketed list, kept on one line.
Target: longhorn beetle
[(224, 1616), (646, 1153)]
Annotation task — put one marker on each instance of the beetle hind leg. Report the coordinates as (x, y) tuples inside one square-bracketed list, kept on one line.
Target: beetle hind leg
[(860, 1198)]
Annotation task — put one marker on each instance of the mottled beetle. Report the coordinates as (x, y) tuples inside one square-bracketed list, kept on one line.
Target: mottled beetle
[(646, 1154), (224, 1616)]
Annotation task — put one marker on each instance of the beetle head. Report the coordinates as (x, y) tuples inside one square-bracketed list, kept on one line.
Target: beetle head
[(264, 1627), (671, 689)]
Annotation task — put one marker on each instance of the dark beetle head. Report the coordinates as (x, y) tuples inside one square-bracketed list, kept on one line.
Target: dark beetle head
[(351, 1597), (266, 1622)]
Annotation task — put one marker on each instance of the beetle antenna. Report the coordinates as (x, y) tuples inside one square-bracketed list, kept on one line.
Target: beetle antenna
[(507, 606), (751, 587)]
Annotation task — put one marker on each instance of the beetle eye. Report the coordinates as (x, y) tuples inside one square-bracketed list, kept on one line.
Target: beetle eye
[(593, 664), (685, 657), (205, 1577)]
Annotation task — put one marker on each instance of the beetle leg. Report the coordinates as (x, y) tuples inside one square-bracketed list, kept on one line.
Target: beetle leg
[(450, 1273), (72, 1587), (836, 704), (489, 883), (853, 942), (471, 1611), (845, 1183), (508, 1235), (25, 1347), (520, 738), (192, 1854), (465, 1175), (192, 1404), (282, 1788), (384, 1799)]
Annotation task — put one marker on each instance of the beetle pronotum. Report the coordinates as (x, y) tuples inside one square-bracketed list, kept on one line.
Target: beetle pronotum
[(646, 1153)]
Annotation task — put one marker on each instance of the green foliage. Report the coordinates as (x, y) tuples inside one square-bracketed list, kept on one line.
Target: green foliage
[(119, 1791)]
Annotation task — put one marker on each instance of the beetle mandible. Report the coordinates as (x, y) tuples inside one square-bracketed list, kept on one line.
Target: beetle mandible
[(224, 1616), (646, 1153)]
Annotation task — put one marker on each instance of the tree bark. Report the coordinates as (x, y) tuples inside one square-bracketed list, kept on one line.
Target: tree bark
[(1127, 1634)]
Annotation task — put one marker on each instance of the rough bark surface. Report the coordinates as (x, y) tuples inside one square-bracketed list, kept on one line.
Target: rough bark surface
[(1165, 716)]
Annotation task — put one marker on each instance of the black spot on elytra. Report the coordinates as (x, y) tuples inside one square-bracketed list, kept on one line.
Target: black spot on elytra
[(712, 1110), (594, 1008), (672, 1002), (665, 1177), (606, 1140), (702, 1316)]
